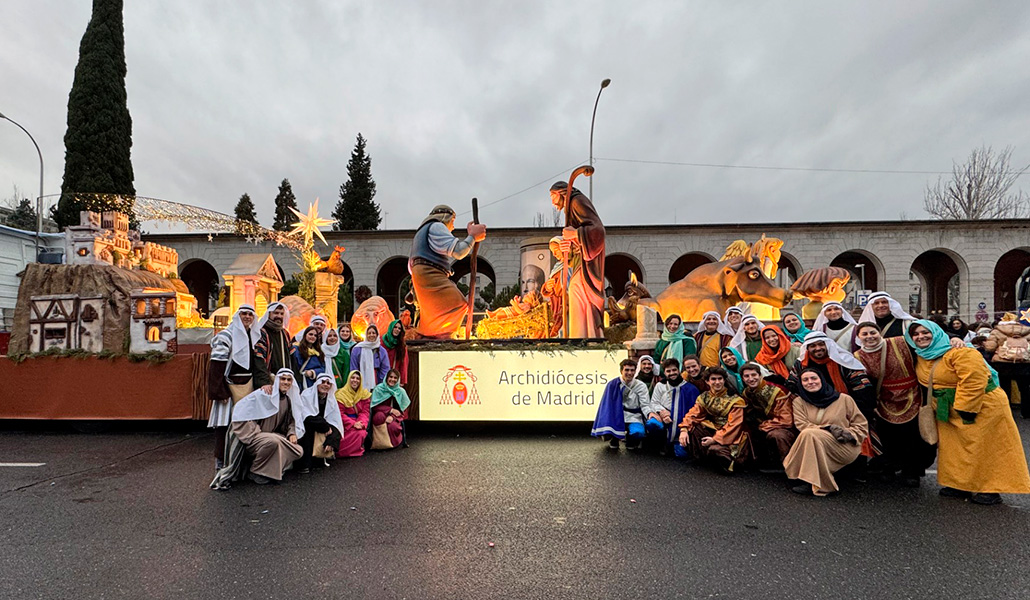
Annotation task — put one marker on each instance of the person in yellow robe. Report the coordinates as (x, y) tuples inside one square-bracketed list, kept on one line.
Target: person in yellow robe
[(979, 454)]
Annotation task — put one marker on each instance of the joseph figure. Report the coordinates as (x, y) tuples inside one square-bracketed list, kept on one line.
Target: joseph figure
[(583, 243)]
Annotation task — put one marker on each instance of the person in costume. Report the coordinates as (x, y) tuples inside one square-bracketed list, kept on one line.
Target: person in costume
[(355, 409), (647, 372), (733, 318), (389, 407), (307, 355), (341, 362), (794, 327), (620, 413), (669, 403), (235, 371), (275, 344), (777, 354), (318, 322), (831, 430), (713, 430), (442, 306), (731, 361), (890, 366), (263, 437), (837, 324), (318, 412), (769, 418), (396, 349), (676, 342), (694, 373), (711, 337), (370, 359), (330, 350), (747, 341), (979, 452), (887, 313), (583, 241)]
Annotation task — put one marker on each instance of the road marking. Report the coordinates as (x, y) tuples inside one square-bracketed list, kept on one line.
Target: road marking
[(3, 464)]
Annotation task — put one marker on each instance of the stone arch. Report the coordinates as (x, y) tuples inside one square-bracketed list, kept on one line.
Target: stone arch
[(687, 263), (788, 270), (872, 269), (389, 277), (617, 267), (463, 268), (1008, 275), (203, 281), (941, 273)]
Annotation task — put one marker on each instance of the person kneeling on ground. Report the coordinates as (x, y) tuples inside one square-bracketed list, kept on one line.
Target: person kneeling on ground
[(389, 403), (769, 418), (831, 430), (714, 429), (669, 403), (355, 409), (262, 432), (620, 413), (317, 418)]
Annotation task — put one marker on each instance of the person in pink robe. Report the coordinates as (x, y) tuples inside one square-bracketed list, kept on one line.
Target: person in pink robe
[(389, 408), (355, 409)]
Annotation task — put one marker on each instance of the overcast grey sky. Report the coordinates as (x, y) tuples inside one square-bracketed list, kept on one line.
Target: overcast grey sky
[(462, 99)]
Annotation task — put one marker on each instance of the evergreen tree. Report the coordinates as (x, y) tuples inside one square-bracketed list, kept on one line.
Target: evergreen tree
[(356, 208), (284, 201), (245, 210), (23, 217), (98, 140)]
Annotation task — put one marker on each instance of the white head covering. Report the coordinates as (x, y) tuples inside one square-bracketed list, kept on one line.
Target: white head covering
[(723, 327), (258, 405), (896, 310), (649, 359), (242, 339), (836, 353), (308, 406), (366, 359), (726, 318), (268, 312), (330, 351), (821, 320), (311, 323), (738, 342)]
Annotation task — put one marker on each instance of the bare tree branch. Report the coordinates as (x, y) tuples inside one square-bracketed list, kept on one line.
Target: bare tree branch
[(979, 189)]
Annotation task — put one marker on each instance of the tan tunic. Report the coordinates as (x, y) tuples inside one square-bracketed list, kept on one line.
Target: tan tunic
[(266, 441), (816, 455)]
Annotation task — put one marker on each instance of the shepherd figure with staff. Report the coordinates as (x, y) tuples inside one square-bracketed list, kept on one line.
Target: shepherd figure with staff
[(582, 248)]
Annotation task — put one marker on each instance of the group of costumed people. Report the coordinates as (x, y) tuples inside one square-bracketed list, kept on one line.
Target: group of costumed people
[(282, 402), (883, 396)]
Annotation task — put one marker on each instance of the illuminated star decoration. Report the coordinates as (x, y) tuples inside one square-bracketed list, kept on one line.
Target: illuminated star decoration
[(1024, 316), (309, 224)]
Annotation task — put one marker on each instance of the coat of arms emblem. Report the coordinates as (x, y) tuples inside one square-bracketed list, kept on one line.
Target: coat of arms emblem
[(459, 386)]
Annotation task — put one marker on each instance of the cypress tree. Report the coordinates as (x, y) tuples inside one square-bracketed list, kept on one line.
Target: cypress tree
[(356, 208), (99, 136), (284, 201), (245, 210)]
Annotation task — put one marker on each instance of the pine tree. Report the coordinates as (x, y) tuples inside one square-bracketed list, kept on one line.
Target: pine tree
[(23, 217), (245, 210), (356, 208), (284, 201), (98, 140)]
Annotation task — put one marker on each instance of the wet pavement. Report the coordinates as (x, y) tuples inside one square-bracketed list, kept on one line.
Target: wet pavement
[(128, 514)]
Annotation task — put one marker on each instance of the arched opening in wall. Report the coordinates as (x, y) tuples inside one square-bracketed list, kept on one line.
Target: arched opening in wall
[(486, 280), (617, 269), (203, 282), (687, 263), (939, 285), (865, 271), (787, 270), (389, 278), (1008, 273)]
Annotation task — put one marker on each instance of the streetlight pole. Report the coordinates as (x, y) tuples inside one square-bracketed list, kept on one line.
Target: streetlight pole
[(604, 84), (39, 201)]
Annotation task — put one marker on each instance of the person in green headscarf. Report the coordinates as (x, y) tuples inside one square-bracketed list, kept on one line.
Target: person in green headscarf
[(396, 350), (794, 327), (389, 403), (675, 343), (341, 362), (733, 362), (980, 455)]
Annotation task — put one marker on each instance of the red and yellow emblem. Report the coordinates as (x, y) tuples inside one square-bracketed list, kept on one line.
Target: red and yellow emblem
[(459, 386)]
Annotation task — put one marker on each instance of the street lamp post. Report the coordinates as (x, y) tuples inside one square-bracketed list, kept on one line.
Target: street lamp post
[(39, 201), (604, 84)]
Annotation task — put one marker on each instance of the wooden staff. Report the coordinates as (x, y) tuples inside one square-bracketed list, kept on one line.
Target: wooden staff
[(472, 272), (586, 171)]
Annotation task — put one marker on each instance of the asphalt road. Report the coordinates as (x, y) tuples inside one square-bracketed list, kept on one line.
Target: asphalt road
[(128, 514)]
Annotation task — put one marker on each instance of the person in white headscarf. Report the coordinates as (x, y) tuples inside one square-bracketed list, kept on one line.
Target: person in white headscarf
[(263, 430), (733, 319), (234, 372), (711, 337), (318, 322), (838, 325), (330, 349), (318, 412), (370, 359), (275, 343), (888, 315), (748, 338)]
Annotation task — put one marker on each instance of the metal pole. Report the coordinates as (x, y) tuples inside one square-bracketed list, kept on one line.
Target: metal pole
[(39, 200), (593, 117)]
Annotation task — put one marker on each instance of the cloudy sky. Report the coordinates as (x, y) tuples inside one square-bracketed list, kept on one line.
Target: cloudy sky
[(462, 99)]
